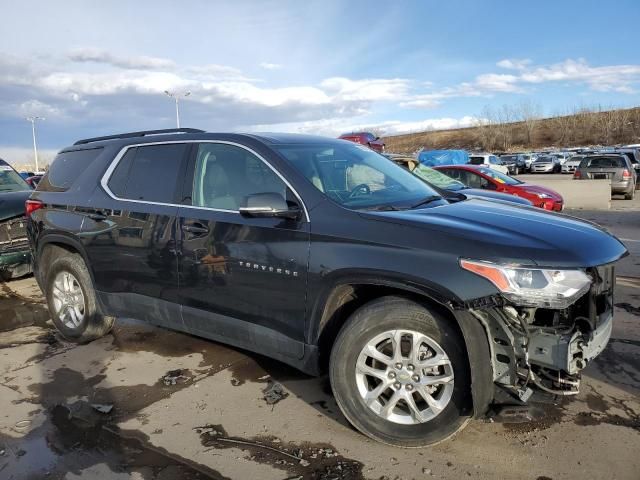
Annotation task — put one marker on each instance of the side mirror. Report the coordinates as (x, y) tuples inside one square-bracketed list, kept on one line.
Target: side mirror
[(377, 138), (263, 205)]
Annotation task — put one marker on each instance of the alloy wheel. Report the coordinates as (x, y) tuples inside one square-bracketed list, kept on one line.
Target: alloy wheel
[(68, 299), (404, 377)]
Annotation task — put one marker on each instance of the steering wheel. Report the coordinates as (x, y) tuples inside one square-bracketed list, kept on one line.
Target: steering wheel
[(362, 188)]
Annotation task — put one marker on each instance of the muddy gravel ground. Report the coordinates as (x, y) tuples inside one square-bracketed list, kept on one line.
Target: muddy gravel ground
[(149, 403)]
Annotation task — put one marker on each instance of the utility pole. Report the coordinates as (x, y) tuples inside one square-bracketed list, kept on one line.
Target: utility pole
[(176, 97), (33, 132)]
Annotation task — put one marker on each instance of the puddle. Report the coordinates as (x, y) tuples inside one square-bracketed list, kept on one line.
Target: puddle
[(306, 461), (131, 336), (19, 311), (75, 438)]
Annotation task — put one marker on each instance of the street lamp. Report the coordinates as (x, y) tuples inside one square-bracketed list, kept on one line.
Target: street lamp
[(33, 131), (177, 96)]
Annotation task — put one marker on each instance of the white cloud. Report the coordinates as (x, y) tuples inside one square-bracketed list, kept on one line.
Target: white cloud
[(96, 55), (514, 63), (21, 157), (270, 66), (367, 89), (335, 127), (618, 78)]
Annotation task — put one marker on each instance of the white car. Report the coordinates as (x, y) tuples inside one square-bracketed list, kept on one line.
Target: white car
[(488, 160), (570, 165)]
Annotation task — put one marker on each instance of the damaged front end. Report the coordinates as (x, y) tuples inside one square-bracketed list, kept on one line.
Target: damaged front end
[(547, 346), (15, 255)]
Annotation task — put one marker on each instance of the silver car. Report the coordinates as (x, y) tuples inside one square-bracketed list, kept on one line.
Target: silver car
[(616, 168), (546, 164), (570, 165)]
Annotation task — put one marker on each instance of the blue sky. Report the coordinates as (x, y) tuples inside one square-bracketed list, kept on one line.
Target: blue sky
[(99, 67)]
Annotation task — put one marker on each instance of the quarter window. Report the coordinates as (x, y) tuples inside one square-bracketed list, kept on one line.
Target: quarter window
[(225, 175), (149, 173)]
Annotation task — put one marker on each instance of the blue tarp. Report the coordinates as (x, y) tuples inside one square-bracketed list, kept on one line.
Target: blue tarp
[(432, 158)]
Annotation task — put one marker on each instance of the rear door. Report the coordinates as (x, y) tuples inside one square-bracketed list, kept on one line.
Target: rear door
[(131, 241), (242, 280)]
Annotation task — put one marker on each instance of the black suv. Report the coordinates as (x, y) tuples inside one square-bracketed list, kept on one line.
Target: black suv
[(323, 254)]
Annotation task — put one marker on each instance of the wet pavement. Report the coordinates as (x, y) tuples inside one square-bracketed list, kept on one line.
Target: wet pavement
[(148, 403)]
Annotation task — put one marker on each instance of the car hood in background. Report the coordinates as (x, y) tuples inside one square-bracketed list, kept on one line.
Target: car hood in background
[(492, 231), (12, 204), (504, 197), (538, 189)]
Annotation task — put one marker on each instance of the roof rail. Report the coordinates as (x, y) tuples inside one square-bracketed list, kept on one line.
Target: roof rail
[(139, 134)]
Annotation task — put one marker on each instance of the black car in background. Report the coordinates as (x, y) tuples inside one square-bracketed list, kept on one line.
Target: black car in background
[(15, 258), (515, 163), (325, 255)]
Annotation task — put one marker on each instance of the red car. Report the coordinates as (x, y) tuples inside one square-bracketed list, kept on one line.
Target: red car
[(365, 138), (489, 179)]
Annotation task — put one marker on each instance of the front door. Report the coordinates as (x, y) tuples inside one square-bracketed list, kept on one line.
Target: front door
[(242, 280)]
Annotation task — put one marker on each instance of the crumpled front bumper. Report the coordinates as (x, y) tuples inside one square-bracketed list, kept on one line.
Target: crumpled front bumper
[(569, 353)]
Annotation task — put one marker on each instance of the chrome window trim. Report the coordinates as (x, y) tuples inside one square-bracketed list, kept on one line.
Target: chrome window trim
[(104, 181)]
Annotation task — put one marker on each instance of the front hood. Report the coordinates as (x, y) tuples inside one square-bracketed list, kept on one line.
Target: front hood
[(505, 197), (538, 189), (12, 204), (501, 233)]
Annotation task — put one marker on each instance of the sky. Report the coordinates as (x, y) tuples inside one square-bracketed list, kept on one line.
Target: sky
[(95, 68)]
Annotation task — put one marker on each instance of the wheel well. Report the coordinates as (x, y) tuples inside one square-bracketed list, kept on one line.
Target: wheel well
[(48, 253), (346, 299)]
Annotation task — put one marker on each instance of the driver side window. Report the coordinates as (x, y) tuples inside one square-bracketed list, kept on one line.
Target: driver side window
[(225, 175)]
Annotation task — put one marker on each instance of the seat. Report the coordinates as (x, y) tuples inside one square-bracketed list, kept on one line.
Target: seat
[(216, 188)]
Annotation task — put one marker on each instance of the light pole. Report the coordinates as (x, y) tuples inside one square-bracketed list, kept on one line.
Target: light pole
[(33, 132), (176, 97)]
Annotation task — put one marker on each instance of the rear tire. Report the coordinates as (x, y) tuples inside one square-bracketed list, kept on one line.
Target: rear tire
[(72, 300), (630, 194), (438, 402)]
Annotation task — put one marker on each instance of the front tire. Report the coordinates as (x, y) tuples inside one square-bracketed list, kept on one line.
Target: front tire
[(400, 374), (72, 300)]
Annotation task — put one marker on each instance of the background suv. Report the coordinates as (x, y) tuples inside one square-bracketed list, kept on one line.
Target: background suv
[(488, 160), (365, 138), (326, 256)]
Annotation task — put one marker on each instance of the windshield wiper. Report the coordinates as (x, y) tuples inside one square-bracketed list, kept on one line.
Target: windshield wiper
[(427, 200), (384, 208)]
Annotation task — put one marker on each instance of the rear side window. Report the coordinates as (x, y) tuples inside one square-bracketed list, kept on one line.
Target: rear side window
[(67, 167), (603, 162), (149, 173)]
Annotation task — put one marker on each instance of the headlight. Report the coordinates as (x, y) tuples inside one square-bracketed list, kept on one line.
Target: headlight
[(532, 287), (543, 195)]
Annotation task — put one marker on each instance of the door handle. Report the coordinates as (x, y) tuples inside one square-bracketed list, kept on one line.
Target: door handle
[(196, 228)]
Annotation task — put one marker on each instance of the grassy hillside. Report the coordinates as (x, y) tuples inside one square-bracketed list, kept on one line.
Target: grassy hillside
[(582, 127)]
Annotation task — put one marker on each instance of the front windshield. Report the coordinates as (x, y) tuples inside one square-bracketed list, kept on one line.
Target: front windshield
[(11, 181), (544, 160), (508, 158), (499, 177), (355, 176), (439, 179)]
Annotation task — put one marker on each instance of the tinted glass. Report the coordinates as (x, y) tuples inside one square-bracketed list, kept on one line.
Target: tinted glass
[(499, 177), (476, 160), (68, 166), (226, 175), (439, 179), (356, 177), (603, 162), (10, 180), (149, 173)]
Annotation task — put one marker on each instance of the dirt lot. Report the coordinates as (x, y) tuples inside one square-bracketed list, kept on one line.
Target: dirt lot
[(148, 403)]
